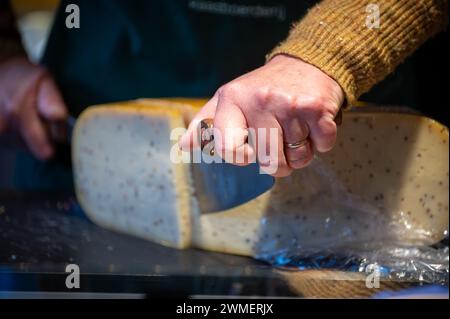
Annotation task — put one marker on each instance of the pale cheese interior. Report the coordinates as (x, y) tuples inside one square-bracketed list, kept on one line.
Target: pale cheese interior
[(124, 178)]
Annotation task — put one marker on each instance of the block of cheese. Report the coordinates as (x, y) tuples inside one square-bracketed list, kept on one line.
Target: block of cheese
[(386, 180), (124, 178)]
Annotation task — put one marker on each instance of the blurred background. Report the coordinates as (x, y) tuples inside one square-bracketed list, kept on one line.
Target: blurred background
[(34, 19), (422, 78), (34, 22)]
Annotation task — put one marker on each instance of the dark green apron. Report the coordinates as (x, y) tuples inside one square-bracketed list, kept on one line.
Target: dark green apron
[(187, 48)]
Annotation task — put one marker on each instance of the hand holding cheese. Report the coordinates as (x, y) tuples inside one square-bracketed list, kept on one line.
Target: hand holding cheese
[(28, 94), (287, 94)]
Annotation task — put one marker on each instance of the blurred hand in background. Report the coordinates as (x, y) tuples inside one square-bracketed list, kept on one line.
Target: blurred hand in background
[(28, 97)]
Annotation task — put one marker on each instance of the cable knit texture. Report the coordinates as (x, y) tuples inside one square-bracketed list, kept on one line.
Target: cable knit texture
[(334, 36)]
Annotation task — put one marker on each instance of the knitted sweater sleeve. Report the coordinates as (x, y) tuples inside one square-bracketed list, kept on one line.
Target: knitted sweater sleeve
[(359, 42)]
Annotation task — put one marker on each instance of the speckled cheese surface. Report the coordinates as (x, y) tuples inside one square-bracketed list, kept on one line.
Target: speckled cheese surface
[(124, 178), (386, 179)]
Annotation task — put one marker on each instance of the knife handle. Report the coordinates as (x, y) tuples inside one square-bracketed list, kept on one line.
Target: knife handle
[(207, 133), (57, 131), (207, 136), (60, 131)]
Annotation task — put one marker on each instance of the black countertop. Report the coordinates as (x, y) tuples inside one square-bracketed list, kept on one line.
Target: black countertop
[(42, 233)]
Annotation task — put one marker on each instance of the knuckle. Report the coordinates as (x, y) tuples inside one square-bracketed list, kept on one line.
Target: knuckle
[(282, 102), (263, 95), (318, 107), (311, 112), (313, 106), (315, 101), (230, 90), (290, 107)]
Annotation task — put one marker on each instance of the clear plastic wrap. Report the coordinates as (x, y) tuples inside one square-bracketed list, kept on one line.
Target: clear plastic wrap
[(349, 233)]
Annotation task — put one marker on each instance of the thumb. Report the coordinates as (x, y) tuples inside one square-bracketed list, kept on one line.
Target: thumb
[(189, 140), (50, 104)]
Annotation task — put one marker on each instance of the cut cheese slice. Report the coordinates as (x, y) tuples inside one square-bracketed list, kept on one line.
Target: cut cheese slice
[(386, 180), (124, 177)]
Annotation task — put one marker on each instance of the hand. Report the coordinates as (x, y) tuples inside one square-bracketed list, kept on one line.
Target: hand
[(28, 95), (288, 94)]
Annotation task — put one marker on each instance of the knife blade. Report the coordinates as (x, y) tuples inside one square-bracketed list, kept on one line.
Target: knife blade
[(61, 131), (220, 185)]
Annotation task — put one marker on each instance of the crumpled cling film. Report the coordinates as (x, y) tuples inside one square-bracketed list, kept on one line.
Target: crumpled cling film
[(359, 241)]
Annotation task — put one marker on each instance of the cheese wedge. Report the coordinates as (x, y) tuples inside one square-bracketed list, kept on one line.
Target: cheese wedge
[(386, 180), (124, 178)]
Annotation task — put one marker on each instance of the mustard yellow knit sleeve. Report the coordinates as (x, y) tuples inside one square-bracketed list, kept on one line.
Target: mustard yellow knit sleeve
[(343, 39)]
